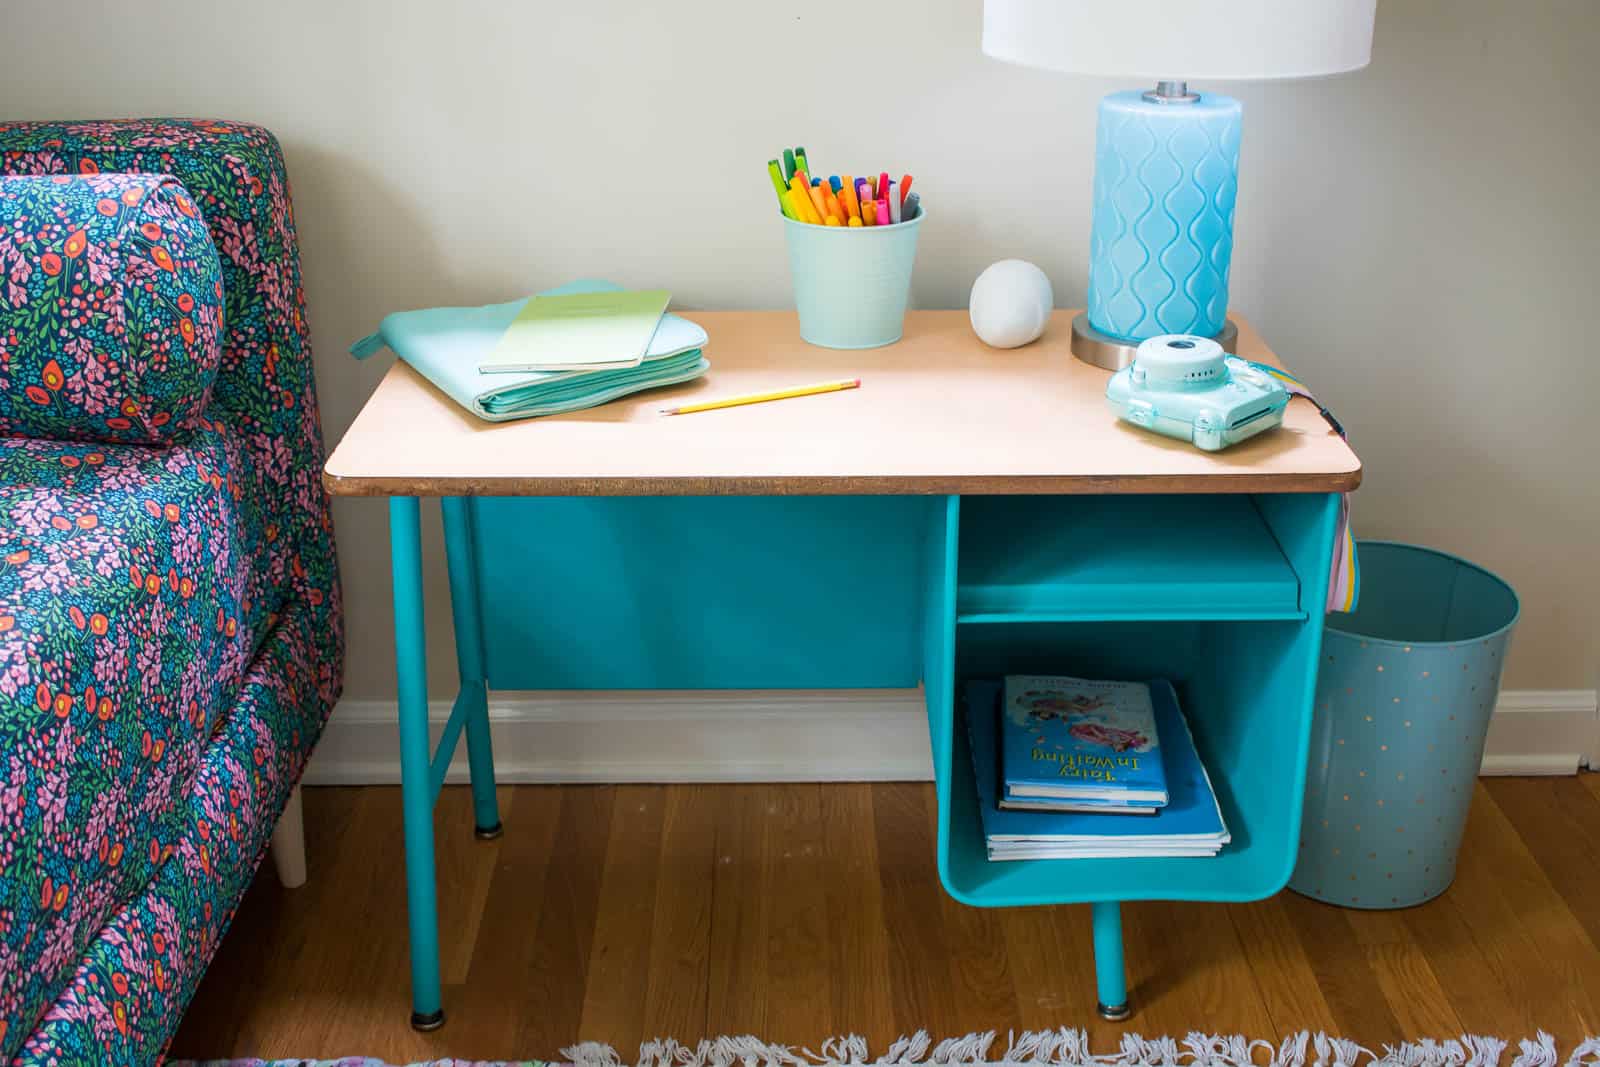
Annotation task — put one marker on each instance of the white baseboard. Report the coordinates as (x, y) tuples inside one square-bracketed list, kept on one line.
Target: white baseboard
[(1543, 731), (792, 735), (657, 736)]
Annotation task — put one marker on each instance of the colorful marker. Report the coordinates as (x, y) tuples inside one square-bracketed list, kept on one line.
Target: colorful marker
[(776, 173), (847, 197), (821, 204), (802, 193), (834, 210), (840, 200), (797, 206)]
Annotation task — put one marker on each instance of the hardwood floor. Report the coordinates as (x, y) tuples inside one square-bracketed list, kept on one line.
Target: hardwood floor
[(794, 912)]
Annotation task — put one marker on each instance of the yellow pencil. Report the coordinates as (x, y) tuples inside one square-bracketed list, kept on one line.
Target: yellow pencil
[(762, 398)]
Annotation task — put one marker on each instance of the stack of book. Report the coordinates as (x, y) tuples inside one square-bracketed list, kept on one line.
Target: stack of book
[(567, 349), (1069, 768)]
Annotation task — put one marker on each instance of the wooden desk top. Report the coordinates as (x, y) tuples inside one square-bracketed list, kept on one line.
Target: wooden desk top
[(939, 412)]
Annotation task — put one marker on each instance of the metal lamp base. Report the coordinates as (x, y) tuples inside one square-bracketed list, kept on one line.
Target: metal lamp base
[(1108, 353)]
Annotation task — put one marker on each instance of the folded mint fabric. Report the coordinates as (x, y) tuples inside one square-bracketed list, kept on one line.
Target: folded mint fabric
[(447, 344)]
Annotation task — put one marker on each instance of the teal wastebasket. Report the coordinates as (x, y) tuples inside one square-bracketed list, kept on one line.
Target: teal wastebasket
[(1405, 689)]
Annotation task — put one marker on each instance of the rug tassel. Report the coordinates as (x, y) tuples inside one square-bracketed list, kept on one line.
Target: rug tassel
[(1587, 1054), (1069, 1047), (591, 1054), (1540, 1052)]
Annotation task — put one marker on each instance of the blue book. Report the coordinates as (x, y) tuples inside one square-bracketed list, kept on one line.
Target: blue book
[(1074, 743), (1191, 824)]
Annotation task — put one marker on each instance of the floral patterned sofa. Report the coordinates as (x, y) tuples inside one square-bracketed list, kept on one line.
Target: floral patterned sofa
[(170, 626)]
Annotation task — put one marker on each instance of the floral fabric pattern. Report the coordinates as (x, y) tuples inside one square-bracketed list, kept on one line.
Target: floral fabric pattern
[(170, 622), (110, 310)]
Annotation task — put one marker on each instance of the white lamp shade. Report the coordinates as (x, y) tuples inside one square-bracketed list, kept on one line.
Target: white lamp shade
[(1182, 39)]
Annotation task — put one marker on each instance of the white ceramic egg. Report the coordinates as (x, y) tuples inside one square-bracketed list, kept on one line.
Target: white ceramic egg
[(1010, 303)]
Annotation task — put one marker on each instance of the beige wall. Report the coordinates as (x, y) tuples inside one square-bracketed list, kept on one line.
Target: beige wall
[(1416, 239)]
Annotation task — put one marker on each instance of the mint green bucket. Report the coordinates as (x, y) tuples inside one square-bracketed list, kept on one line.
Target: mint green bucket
[(851, 283)]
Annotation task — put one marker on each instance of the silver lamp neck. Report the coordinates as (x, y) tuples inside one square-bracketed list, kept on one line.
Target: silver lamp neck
[(1171, 92)]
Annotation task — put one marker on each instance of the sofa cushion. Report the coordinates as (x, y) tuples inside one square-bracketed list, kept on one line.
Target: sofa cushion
[(134, 593), (111, 308)]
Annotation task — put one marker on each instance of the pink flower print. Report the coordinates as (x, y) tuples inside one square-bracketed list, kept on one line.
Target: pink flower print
[(1112, 737)]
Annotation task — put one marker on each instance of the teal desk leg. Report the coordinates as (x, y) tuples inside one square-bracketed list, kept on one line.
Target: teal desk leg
[(1110, 976), (462, 558), (416, 787)]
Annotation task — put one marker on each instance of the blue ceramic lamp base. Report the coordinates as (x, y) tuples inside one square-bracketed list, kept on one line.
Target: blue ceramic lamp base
[(1165, 179)]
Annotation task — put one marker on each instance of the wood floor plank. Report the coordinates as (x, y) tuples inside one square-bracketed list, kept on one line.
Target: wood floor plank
[(557, 982), (1509, 897), (858, 941), (1558, 820), (1343, 973), (645, 911), (984, 995), (1051, 958), (466, 867), (1283, 974), (919, 972), (486, 1010), (736, 995), (680, 933), (1411, 989), (618, 972), (794, 877), (1199, 969)]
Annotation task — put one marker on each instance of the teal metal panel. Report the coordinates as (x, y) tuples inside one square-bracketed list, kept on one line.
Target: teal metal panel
[(939, 630), (1246, 686), (701, 592), (1122, 557)]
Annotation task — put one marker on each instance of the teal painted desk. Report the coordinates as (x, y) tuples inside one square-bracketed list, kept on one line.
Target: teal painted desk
[(965, 512)]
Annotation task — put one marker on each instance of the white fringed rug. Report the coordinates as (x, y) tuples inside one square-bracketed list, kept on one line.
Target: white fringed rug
[(1070, 1048), (1042, 1048)]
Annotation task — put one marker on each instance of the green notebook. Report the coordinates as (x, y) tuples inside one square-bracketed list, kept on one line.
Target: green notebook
[(579, 331)]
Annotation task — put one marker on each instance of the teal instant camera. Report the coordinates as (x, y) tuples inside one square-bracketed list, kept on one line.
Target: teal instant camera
[(1187, 387)]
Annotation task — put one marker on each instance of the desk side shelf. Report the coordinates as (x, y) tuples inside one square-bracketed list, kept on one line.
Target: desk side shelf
[(1221, 594)]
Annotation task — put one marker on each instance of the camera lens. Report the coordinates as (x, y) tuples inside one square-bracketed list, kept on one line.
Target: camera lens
[(1180, 344)]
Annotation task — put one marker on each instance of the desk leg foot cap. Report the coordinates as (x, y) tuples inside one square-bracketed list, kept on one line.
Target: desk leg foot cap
[(424, 1023), (1114, 1013), (488, 833)]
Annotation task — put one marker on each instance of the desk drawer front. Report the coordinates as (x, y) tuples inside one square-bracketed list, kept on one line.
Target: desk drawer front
[(701, 592)]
